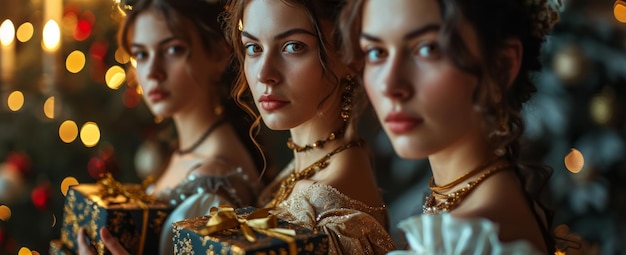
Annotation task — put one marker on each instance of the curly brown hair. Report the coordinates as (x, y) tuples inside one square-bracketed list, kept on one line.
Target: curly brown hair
[(317, 11), (495, 22)]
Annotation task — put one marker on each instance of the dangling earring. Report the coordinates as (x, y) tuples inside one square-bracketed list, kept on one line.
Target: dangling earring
[(501, 131), (346, 97)]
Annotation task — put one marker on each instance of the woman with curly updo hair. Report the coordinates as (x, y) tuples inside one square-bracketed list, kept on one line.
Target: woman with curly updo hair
[(447, 80), (292, 78), (181, 64)]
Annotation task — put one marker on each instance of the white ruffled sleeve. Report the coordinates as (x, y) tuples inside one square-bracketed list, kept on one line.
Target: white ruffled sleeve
[(445, 235)]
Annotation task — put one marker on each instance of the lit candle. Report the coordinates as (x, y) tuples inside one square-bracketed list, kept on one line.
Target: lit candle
[(7, 52), (51, 43)]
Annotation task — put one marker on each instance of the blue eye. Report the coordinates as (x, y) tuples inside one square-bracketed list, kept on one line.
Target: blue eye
[(294, 47), (428, 50), (252, 49), (374, 54), (139, 55)]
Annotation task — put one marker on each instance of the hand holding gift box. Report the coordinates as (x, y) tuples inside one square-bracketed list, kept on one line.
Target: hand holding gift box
[(131, 216)]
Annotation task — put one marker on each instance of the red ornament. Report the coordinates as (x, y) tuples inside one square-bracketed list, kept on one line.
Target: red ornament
[(20, 162), (41, 196), (97, 168)]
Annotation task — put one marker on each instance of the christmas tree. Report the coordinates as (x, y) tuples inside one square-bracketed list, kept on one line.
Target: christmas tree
[(67, 111)]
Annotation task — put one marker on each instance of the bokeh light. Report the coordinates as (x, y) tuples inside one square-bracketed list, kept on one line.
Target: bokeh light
[(574, 161), (5, 213), (90, 134), (82, 30), (66, 183), (15, 101), (25, 32), (24, 251), (121, 56), (51, 36), (619, 10), (7, 33), (68, 131), (75, 61), (48, 108), (115, 77)]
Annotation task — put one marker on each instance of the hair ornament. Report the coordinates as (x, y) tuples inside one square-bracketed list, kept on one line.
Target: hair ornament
[(127, 5), (544, 14)]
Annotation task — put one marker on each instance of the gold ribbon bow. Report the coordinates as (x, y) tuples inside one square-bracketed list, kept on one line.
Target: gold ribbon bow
[(224, 217), (111, 189)]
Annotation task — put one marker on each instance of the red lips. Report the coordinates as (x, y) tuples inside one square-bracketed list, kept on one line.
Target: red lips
[(272, 103), (399, 123), (156, 94)]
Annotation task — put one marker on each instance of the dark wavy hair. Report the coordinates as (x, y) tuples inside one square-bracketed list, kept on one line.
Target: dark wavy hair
[(203, 15), (317, 11), (495, 22)]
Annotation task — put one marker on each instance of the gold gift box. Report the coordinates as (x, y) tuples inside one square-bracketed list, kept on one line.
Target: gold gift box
[(133, 222), (200, 236)]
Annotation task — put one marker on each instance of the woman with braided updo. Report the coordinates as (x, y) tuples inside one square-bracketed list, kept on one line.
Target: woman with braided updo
[(447, 80), (182, 61), (291, 70)]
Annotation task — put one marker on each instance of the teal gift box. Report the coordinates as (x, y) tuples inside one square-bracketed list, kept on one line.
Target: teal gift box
[(135, 223), (227, 231), (57, 247)]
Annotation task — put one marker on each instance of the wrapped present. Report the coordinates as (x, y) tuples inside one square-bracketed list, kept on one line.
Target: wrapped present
[(133, 217), (57, 247), (245, 231)]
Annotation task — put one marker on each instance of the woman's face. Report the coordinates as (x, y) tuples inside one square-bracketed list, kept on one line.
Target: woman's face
[(175, 74), (422, 99), (282, 64)]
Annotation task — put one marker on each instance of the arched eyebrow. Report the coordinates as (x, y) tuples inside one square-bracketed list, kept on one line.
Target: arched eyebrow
[(413, 34), (164, 41), (282, 35)]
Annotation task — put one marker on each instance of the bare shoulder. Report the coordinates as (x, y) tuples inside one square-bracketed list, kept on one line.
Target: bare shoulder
[(501, 200)]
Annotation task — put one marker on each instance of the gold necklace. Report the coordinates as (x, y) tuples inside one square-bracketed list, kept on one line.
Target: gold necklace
[(317, 144), (439, 203), (287, 184), (460, 179)]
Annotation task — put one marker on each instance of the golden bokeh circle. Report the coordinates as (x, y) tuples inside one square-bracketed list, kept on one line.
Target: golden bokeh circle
[(75, 61), (90, 134), (15, 101), (574, 161), (68, 131), (5, 213), (115, 77), (25, 32), (24, 251), (66, 183)]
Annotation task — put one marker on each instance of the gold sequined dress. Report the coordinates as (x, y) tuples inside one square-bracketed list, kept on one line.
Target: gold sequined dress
[(352, 226)]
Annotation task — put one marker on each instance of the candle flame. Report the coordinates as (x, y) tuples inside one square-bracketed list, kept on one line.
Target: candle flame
[(7, 32), (51, 36)]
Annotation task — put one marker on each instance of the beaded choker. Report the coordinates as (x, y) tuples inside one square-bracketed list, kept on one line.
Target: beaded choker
[(317, 144), (287, 184), (197, 143), (439, 203)]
